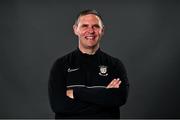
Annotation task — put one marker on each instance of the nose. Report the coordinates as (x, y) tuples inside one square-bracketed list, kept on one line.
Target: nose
[(90, 30)]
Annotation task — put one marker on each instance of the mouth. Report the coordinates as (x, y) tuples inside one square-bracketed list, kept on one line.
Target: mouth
[(90, 37)]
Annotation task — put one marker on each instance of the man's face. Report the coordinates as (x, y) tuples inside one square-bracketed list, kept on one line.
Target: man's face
[(89, 30)]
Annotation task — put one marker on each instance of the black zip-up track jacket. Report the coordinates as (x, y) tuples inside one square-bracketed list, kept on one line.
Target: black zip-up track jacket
[(88, 76)]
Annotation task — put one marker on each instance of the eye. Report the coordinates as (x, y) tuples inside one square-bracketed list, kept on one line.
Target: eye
[(96, 26), (84, 26)]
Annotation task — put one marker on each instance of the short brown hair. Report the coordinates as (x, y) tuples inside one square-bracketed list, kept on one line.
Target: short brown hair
[(88, 11)]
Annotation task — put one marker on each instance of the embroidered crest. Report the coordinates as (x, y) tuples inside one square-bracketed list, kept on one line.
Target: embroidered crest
[(103, 70)]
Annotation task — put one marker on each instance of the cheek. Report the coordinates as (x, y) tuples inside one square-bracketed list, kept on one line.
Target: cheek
[(82, 33), (99, 32)]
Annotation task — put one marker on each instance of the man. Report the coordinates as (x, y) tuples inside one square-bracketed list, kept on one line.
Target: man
[(88, 83)]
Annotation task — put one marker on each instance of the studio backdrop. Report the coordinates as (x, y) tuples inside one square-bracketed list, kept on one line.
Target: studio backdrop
[(143, 34)]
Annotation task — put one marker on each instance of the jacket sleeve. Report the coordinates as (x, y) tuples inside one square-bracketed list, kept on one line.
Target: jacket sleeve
[(106, 97), (59, 102)]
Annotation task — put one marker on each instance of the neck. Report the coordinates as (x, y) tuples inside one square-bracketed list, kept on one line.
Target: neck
[(89, 51)]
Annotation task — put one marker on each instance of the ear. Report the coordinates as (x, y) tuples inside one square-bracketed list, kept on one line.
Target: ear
[(75, 29), (103, 29)]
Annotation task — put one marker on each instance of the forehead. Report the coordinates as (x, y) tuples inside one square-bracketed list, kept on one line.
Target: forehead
[(90, 18)]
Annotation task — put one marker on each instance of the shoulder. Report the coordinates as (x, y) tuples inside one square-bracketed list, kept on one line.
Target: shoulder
[(63, 60), (115, 63), (110, 59)]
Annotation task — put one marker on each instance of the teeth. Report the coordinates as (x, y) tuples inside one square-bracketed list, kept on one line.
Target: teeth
[(90, 37)]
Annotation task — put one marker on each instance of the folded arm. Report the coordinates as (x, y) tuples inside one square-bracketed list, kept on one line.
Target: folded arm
[(59, 101), (114, 94)]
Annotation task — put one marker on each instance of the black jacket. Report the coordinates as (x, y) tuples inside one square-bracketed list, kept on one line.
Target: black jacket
[(88, 76)]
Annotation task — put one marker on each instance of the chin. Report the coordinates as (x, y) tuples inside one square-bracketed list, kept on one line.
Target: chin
[(92, 43), (91, 46)]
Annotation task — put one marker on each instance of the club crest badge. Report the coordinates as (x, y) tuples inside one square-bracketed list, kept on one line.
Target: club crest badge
[(103, 70)]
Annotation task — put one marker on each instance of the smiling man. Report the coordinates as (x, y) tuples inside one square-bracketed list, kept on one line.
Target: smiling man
[(88, 83), (89, 29)]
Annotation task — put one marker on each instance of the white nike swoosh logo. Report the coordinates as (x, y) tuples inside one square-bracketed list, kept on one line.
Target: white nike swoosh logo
[(72, 70)]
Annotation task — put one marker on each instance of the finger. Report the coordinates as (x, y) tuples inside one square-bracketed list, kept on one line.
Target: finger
[(115, 82), (69, 93), (111, 83), (120, 82), (117, 85)]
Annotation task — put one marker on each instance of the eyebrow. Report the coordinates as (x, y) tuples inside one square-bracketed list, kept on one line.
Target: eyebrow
[(96, 25)]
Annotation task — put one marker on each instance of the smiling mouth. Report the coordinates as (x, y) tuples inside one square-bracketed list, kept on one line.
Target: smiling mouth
[(90, 37)]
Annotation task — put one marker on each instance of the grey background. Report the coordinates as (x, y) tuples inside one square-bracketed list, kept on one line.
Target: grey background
[(143, 34)]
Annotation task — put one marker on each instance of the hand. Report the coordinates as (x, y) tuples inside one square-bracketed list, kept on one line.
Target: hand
[(114, 83), (69, 93)]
